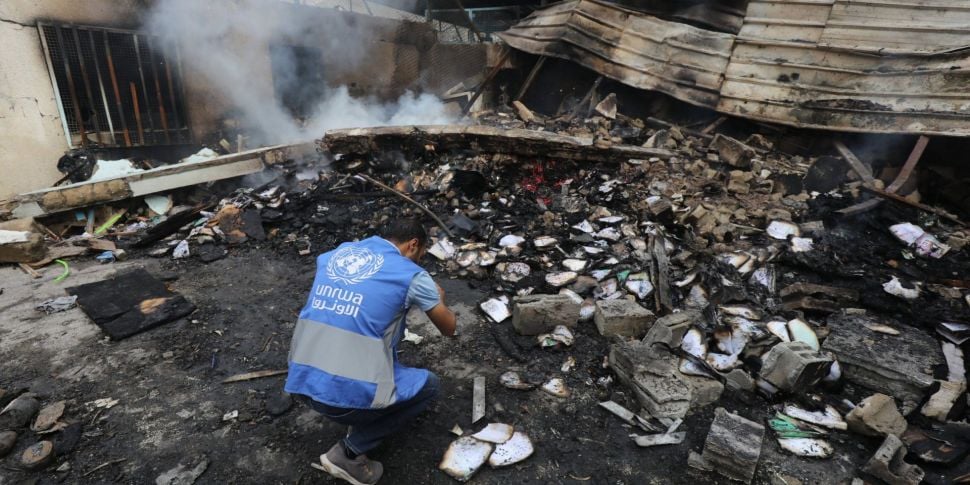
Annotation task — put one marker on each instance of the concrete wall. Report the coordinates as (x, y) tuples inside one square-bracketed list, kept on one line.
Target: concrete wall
[(31, 133)]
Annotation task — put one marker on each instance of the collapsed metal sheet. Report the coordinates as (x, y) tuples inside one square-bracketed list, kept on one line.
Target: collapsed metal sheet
[(814, 63), (633, 48), (786, 68)]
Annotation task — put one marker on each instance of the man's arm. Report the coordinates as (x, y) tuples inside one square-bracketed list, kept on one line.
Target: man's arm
[(425, 294), (442, 317)]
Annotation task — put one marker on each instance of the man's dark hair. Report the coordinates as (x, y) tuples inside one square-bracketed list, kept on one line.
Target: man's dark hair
[(404, 230)]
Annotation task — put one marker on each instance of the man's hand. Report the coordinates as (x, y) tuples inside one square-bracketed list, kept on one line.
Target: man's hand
[(442, 317)]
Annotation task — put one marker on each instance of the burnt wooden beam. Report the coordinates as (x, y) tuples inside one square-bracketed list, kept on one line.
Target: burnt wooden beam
[(484, 139)]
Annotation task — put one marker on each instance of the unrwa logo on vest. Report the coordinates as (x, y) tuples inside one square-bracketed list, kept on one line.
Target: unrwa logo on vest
[(351, 265)]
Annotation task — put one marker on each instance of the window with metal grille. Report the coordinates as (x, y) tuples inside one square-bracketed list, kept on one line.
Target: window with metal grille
[(114, 87)]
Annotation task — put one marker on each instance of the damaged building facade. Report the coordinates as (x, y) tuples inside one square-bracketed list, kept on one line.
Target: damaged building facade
[(89, 74)]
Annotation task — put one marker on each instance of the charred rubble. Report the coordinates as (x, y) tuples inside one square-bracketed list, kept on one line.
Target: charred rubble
[(720, 286)]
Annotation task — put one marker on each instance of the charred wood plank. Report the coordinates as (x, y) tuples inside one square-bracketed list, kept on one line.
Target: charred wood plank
[(484, 139)]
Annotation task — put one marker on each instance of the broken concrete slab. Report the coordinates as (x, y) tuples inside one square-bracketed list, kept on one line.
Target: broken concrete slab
[(876, 415), (888, 465), (656, 383), (21, 241), (942, 401), (537, 314), (670, 329), (899, 366), (622, 317), (161, 179), (731, 151), (733, 446), (794, 366)]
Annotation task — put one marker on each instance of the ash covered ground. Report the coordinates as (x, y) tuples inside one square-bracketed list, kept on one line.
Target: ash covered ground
[(709, 217)]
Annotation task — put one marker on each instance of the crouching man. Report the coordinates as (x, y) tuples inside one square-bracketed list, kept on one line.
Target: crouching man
[(343, 356)]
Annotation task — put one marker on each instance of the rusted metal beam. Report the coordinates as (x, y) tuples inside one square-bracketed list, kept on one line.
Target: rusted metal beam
[(114, 84), (87, 84), (101, 90), (135, 108), (70, 86), (144, 88), (158, 91)]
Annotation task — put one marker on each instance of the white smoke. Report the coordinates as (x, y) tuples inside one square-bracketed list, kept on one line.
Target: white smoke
[(227, 44)]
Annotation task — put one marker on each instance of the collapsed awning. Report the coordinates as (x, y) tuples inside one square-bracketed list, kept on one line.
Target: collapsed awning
[(882, 67)]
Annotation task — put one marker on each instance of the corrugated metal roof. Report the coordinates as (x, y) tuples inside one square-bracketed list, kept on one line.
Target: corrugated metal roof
[(808, 63), (643, 51)]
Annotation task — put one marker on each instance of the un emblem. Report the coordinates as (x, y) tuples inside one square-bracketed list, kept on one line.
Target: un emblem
[(351, 265)]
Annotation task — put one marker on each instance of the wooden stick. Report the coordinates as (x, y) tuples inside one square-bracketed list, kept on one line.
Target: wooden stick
[(898, 198), (412, 201), (30, 271), (103, 465), (254, 375), (531, 77), (910, 164), (488, 79), (857, 165)]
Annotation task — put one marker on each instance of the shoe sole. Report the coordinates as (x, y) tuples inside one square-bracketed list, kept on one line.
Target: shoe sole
[(335, 471)]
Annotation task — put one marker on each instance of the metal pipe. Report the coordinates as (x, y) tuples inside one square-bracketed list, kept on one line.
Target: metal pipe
[(70, 87), (87, 83), (104, 96), (114, 84), (144, 89), (158, 91), (134, 102)]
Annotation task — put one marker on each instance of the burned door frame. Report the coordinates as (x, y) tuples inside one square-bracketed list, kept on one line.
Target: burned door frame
[(178, 130)]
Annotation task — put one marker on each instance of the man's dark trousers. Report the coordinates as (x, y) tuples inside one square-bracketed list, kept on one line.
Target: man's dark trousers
[(368, 427)]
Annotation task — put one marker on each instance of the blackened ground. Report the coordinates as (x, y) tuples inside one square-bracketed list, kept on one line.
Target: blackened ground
[(171, 409), (171, 406)]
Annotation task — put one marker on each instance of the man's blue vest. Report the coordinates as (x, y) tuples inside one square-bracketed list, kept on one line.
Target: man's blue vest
[(343, 352)]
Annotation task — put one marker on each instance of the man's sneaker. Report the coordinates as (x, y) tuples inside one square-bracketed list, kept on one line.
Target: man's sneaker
[(359, 471)]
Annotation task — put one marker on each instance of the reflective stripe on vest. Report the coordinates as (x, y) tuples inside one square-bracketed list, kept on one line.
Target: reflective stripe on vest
[(348, 355)]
